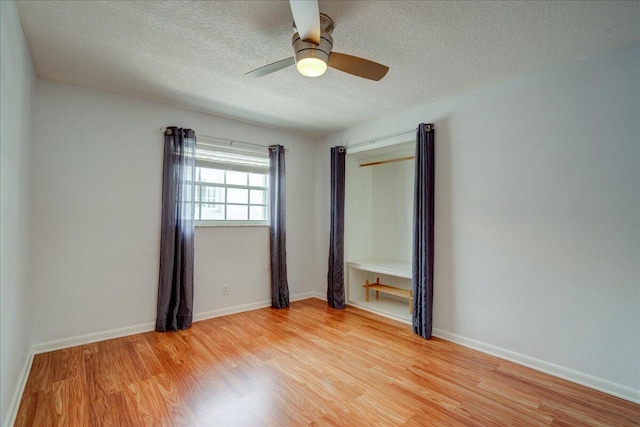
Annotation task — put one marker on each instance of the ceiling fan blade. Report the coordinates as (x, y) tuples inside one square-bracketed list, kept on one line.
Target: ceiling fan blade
[(357, 66), (273, 67), (306, 16)]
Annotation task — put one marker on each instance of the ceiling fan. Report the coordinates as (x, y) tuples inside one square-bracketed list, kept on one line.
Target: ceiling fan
[(312, 46)]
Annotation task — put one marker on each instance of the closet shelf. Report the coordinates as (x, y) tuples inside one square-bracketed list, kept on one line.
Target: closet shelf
[(383, 266)]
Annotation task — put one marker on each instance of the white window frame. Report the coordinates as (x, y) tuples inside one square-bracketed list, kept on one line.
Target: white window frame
[(211, 158)]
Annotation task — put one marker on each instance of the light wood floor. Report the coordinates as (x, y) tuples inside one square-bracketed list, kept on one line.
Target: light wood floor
[(307, 365)]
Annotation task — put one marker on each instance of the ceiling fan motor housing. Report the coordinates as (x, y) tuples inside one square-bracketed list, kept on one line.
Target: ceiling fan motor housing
[(305, 49)]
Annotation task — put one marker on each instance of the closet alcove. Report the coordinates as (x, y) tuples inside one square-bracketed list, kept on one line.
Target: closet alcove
[(379, 188)]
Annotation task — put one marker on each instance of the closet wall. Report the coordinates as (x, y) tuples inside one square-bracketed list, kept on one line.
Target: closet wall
[(358, 211), (392, 210)]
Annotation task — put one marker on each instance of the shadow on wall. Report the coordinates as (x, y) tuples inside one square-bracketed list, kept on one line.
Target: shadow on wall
[(444, 280)]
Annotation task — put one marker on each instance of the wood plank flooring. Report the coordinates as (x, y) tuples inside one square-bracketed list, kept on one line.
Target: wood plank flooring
[(307, 365)]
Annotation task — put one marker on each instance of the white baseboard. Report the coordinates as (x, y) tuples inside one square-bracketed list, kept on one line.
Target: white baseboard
[(307, 295), (14, 404), (317, 295), (48, 346), (581, 378), (150, 326), (230, 310), (248, 307)]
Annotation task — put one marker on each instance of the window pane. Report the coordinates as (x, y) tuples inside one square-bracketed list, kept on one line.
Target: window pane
[(215, 176), (258, 197), (237, 212), (258, 213), (237, 195), (236, 178), (213, 194), (257, 180), (211, 211), (216, 201)]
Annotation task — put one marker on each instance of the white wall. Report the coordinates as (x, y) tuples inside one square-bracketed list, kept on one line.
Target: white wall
[(97, 180), (537, 228), (392, 210), (17, 83), (217, 265)]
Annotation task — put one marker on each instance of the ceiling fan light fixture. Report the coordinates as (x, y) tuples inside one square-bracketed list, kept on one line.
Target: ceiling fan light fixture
[(311, 58), (311, 67)]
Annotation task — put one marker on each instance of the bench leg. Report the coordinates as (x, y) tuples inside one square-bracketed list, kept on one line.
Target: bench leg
[(377, 294), (366, 290)]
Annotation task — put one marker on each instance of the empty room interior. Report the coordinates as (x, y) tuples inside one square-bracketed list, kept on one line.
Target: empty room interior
[(314, 212)]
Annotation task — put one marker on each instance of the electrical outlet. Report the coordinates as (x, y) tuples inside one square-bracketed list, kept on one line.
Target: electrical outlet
[(225, 290)]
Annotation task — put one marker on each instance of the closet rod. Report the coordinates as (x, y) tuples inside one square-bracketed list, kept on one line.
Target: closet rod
[(230, 141), (382, 162)]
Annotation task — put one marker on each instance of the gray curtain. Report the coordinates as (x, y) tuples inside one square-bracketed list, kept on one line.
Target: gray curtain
[(277, 228), (423, 222), (175, 287), (335, 277)]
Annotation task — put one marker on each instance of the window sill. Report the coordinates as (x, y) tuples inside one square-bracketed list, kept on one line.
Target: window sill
[(230, 224)]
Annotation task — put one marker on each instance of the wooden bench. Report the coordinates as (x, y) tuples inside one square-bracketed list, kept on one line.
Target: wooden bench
[(391, 290)]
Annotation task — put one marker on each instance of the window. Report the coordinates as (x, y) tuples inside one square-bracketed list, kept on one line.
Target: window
[(232, 186)]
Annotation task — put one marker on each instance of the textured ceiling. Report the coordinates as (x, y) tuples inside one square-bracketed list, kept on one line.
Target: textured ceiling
[(195, 54)]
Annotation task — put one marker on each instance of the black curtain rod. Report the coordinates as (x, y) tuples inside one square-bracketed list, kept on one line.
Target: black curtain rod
[(230, 141)]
